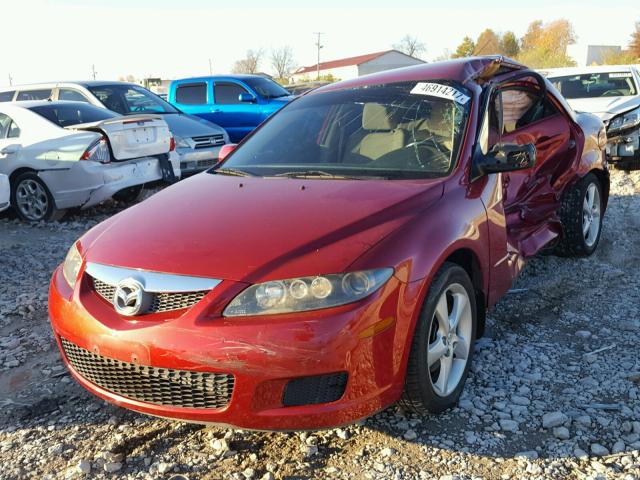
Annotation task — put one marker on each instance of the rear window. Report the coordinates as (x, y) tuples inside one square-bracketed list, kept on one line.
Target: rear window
[(43, 94), (595, 85), (192, 94), (72, 113), (7, 96), (69, 94)]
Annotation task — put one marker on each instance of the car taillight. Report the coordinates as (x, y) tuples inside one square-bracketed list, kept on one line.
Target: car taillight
[(98, 151), (172, 144)]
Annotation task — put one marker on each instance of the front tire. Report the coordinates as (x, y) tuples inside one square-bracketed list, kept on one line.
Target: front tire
[(32, 199), (581, 215), (442, 347)]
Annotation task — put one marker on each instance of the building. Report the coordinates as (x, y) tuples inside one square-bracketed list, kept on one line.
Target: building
[(352, 67), (596, 54)]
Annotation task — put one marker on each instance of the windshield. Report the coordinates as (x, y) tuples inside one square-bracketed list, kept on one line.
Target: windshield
[(394, 131), (72, 113), (131, 99), (266, 88), (594, 85)]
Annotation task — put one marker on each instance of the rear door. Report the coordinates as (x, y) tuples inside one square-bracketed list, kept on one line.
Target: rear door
[(194, 97), (531, 197)]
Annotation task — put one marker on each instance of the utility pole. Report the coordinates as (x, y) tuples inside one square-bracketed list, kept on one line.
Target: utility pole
[(210, 67), (10, 80), (319, 46), (93, 71)]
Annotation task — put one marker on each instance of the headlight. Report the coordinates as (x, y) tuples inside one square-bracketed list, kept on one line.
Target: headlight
[(307, 293), (602, 138), (628, 120), (182, 142), (71, 266)]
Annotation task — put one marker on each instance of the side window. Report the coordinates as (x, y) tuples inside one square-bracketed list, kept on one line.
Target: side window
[(7, 96), (70, 94), (8, 128), (192, 94), (42, 94), (521, 107), (228, 93)]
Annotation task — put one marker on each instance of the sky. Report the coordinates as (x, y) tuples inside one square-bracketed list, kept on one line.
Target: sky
[(46, 40)]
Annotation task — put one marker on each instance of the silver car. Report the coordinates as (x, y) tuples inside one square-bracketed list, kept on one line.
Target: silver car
[(198, 141)]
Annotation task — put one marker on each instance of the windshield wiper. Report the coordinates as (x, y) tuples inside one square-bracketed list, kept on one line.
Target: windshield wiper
[(318, 174), (232, 172)]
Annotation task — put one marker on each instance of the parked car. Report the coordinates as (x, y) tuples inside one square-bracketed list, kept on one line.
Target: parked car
[(60, 155), (300, 88), (197, 140), (5, 192), (238, 103), (342, 257), (612, 92)]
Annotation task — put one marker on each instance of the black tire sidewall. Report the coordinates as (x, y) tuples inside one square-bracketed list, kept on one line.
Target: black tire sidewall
[(51, 208), (429, 399), (584, 185)]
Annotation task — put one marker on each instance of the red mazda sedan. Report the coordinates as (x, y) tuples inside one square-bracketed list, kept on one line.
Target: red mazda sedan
[(341, 258)]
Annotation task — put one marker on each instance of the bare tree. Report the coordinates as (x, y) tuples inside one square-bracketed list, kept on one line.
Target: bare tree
[(411, 46), (282, 62), (250, 63)]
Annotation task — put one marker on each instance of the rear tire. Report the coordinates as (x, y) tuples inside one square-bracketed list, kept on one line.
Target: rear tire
[(32, 199), (581, 214), (129, 195), (442, 346)]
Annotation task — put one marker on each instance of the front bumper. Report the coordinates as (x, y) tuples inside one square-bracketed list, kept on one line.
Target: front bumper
[(5, 192), (88, 183), (366, 340), (197, 160)]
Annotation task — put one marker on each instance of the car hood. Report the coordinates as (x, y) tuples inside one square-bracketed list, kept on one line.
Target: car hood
[(255, 229), (183, 125), (280, 101), (605, 107)]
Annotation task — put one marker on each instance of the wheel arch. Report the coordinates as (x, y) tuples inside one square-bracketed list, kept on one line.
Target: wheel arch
[(19, 171)]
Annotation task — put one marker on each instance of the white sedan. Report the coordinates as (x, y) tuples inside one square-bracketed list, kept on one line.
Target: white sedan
[(60, 155), (4, 192)]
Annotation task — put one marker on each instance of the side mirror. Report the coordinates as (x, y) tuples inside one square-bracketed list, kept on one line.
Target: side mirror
[(225, 151), (505, 158), (245, 97)]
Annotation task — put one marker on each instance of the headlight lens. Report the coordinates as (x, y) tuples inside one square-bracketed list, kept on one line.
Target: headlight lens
[(182, 142), (628, 120), (602, 138), (307, 293), (71, 266)]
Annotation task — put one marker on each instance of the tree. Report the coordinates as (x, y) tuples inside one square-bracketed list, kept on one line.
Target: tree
[(509, 45), (411, 46), (488, 43), (282, 62), (465, 49), (545, 45), (250, 63), (623, 57), (634, 46)]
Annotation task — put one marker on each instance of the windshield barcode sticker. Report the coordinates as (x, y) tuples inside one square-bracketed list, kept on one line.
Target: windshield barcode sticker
[(440, 91), (620, 75)]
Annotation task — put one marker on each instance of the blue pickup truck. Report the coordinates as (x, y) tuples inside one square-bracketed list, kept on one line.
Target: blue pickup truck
[(238, 103)]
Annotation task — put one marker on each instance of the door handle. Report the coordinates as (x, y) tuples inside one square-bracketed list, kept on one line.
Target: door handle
[(216, 110)]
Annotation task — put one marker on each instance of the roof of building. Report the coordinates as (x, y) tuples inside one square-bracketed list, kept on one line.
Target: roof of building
[(349, 61)]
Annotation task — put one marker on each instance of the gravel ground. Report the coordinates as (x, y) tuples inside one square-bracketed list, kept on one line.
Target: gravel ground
[(554, 390)]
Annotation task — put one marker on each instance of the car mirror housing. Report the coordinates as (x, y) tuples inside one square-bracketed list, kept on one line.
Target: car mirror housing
[(504, 158), (246, 98), (225, 151)]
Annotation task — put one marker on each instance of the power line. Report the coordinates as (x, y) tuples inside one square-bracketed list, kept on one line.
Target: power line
[(318, 46)]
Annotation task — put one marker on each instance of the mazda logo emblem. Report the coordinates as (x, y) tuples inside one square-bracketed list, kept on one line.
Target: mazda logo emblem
[(130, 298)]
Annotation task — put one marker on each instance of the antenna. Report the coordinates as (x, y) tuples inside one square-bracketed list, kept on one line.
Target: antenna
[(319, 46)]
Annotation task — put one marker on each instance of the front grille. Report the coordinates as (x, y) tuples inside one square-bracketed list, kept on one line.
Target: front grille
[(312, 390), (159, 386), (208, 141), (162, 302)]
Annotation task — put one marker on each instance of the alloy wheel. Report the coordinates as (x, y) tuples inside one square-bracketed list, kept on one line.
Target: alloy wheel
[(449, 339), (32, 200), (591, 215)]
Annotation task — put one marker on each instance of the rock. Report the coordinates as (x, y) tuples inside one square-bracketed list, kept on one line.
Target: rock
[(268, 476), (583, 333), (164, 467), (553, 419), (220, 446), (618, 447), (249, 473), (308, 450), (599, 450), (530, 454), (387, 452), (579, 453), (410, 435), (508, 425), (111, 467), (342, 434), (584, 420), (561, 433), (84, 466), (518, 400)]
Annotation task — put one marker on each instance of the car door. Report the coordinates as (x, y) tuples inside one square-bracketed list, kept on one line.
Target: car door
[(236, 116), (530, 198), (9, 143), (195, 98)]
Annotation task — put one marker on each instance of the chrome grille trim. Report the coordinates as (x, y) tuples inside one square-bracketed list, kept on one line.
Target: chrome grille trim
[(208, 141), (158, 386)]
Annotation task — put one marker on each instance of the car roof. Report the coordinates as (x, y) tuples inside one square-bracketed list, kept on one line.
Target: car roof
[(40, 103), (462, 70), (558, 72), (243, 76), (83, 83)]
